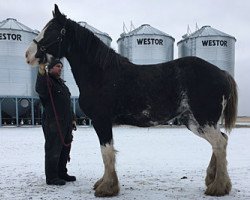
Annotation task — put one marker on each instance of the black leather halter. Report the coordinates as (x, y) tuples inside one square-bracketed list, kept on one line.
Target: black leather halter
[(43, 48)]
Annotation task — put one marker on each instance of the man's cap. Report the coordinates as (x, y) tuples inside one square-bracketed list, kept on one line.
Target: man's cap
[(53, 63)]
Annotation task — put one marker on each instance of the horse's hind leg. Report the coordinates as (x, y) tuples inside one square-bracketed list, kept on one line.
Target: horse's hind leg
[(211, 170), (217, 180), (108, 185)]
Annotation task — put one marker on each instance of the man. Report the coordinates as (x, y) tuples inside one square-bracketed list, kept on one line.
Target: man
[(57, 136)]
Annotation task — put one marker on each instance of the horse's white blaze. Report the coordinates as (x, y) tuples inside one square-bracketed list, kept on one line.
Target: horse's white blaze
[(108, 155), (32, 50), (30, 54)]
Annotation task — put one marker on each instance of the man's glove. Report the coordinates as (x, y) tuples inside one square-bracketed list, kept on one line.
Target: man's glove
[(74, 125), (42, 68)]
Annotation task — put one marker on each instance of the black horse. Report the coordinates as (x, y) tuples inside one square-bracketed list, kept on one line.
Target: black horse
[(116, 91)]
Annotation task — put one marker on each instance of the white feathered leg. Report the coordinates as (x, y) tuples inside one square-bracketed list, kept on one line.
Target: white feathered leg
[(108, 185), (217, 168), (211, 171)]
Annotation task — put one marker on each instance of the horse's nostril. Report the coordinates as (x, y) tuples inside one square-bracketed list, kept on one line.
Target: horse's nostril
[(26, 54)]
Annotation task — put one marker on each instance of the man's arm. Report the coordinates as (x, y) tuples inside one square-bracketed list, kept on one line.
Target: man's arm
[(41, 82)]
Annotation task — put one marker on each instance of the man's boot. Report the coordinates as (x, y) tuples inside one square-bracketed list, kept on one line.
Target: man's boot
[(62, 170), (56, 181)]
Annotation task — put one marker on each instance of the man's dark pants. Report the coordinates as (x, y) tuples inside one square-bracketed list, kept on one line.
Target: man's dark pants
[(56, 154)]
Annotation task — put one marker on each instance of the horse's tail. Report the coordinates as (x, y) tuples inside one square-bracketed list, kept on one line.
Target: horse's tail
[(230, 111)]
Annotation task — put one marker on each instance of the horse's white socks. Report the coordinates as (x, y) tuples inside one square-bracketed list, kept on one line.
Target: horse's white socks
[(108, 155)]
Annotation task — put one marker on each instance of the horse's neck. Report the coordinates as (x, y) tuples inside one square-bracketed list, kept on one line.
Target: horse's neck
[(76, 65), (85, 74), (88, 56), (77, 41)]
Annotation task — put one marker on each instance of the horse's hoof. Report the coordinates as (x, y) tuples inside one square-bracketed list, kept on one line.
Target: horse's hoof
[(215, 189), (107, 190), (104, 188)]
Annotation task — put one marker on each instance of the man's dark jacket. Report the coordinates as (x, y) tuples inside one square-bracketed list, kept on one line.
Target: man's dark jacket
[(61, 98)]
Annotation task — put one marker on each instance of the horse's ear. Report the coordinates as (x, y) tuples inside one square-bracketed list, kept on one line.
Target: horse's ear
[(56, 12)]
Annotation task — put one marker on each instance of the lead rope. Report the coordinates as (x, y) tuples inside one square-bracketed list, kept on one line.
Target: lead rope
[(59, 132)]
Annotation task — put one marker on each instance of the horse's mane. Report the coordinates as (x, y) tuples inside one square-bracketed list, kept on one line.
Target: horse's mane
[(94, 50)]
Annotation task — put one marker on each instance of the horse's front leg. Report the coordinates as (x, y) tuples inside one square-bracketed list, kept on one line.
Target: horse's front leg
[(108, 185)]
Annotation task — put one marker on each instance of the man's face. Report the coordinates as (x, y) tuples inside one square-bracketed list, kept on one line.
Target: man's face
[(56, 70)]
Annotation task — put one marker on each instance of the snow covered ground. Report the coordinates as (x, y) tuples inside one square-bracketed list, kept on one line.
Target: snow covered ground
[(152, 163)]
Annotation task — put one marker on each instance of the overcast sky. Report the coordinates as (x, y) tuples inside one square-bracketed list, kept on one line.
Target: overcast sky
[(169, 16)]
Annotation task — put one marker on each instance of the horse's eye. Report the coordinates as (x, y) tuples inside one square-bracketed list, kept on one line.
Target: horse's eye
[(63, 31), (42, 48)]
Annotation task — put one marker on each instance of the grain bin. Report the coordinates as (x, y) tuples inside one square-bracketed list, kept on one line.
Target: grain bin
[(101, 35), (210, 44), (17, 79), (146, 45)]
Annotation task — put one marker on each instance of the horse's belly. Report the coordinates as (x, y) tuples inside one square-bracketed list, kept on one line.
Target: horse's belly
[(143, 119)]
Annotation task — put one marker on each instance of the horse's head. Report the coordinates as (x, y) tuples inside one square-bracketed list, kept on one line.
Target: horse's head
[(49, 42)]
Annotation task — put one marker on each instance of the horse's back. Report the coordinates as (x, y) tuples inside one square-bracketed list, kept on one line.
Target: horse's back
[(153, 94)]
